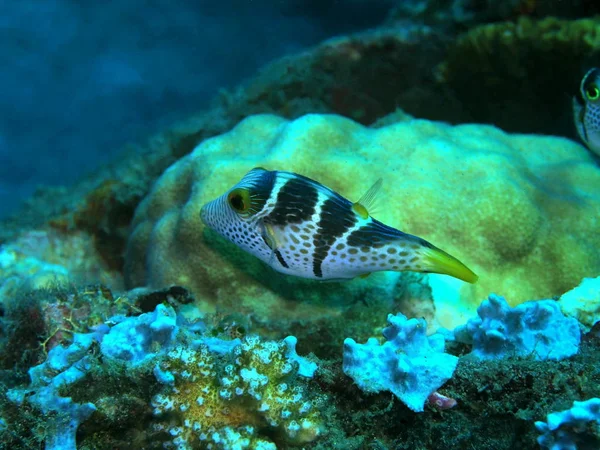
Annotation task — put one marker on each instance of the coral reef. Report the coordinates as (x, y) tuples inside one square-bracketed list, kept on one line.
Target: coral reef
[(35, 321), (40, 258), (498, 401), (64, 366), (206, 391), (409, 364), (256, 388), (195, 354), (459, 14), (507, 228), (453, 13), (535, 329), (167, 378), (363, 76)]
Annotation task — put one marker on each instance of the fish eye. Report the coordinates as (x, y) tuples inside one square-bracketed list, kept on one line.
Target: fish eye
[(592, 92), (239, 200)]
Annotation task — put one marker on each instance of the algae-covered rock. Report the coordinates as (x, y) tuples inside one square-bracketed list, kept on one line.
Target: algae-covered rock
[(520, 75), (519, 210)]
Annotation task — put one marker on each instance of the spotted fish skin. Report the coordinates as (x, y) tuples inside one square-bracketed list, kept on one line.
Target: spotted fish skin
[(302, 228), (586, 110)]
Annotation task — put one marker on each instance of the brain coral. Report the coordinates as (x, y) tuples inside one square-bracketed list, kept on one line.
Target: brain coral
[(520, 210)]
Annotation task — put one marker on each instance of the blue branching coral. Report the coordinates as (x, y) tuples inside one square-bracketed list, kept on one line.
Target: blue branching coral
[(537, 329), (62, 368), (140, 339), (210, 392), (410, 364), (572, 429)]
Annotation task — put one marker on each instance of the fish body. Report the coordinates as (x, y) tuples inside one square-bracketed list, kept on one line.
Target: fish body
[(586, 110), (300, 227)]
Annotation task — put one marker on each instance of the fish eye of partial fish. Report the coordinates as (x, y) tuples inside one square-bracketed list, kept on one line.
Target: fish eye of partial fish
[(586, 110), (589, 85), (592, 92)]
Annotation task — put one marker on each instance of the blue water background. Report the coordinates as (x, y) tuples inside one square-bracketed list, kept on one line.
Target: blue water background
[(81, 79)]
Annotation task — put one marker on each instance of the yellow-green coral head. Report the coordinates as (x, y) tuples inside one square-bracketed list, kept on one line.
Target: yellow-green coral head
[(586, 110), (300, 227)]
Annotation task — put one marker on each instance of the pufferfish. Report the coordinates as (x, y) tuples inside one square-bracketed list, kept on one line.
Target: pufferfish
[(300, 227), (586, 110)]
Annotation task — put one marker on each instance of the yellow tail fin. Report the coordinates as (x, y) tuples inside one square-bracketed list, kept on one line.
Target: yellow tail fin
[(438, 261)]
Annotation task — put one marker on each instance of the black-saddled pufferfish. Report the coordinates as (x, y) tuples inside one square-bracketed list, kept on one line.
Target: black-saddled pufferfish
[(586, 110), (300, 227)]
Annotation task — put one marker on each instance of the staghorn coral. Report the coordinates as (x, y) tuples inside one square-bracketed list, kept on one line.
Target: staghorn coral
[(519, 209)]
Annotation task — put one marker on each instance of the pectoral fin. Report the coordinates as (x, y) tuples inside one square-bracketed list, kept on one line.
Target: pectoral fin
[(269, 235)]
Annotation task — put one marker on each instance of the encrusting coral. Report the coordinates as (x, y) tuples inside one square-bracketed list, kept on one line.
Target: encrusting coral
[(409, 364), (217, 402), (534, 329), (205, 392), (518, 209)]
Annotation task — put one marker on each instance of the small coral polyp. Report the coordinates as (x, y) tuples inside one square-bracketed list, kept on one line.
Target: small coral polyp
[(219, 403)]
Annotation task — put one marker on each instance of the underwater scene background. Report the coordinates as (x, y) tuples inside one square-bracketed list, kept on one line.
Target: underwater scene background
[(416, 265)]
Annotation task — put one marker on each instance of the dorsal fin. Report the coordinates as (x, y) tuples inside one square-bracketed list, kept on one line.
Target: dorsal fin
[(367, 201)]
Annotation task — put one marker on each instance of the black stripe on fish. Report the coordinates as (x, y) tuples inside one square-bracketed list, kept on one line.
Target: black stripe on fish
[(374, 234), (336, 218), (280, 259), (261, 189), (296, 202)]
